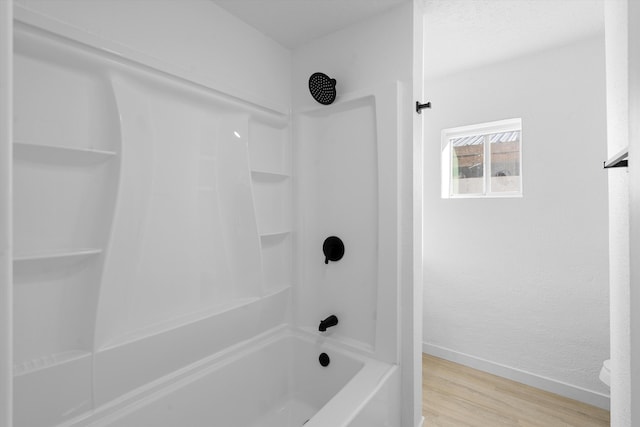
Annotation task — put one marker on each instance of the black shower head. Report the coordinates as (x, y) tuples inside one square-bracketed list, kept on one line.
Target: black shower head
[(322, 88)]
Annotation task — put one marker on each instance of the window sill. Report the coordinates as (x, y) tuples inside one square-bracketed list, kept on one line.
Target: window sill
[(483, 196)]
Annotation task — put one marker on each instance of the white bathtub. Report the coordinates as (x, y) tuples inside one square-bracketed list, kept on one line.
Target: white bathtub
[(274, 382)]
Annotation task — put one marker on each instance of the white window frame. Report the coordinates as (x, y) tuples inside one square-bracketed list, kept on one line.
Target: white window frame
[(488, 128)]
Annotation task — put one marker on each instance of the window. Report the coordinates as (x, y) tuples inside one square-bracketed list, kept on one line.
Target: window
[(482, 160)]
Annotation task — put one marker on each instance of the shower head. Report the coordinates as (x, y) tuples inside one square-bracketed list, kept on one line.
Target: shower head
[(322, 88)]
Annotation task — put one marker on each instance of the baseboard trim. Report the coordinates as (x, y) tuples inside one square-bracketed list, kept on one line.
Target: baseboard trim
[(558, 387)]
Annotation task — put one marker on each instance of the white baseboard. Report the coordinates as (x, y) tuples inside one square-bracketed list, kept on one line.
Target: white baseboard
[(558, 387)]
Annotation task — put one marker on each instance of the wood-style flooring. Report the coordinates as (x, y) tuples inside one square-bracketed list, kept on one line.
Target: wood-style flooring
[(456, 395)]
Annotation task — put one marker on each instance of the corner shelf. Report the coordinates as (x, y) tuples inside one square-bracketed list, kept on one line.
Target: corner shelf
[(277, 252), (276, 289), (41, 262), (269, 146), (78, 253), (177, 322), (267, 176), (273, 234), (41, 153), (45, 362)]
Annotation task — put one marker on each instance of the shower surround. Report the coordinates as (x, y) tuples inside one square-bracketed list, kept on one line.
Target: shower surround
[(168, 226)]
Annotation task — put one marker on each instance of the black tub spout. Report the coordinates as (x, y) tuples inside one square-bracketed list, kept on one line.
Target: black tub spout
[(328, 322)]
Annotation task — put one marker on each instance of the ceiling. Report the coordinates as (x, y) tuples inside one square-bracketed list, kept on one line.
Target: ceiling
[(462, 34), (293, 23), (459, 34)]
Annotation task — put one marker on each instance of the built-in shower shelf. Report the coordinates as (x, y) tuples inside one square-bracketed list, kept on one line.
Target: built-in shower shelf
[(43, 262), (266, 176), (79, 253), (274, 234), (276, 289), (59, 154), (178, 322), (44, 362)]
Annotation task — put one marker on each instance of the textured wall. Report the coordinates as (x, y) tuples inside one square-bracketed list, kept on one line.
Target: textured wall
[(522, 282)]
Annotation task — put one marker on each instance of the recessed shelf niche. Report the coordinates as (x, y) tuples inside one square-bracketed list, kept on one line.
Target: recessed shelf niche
[(268, 176), (269, 148), (40, 153), (272, 200), (270, 160), (65, 177), (276, 260), (31, 266), (50, 361)]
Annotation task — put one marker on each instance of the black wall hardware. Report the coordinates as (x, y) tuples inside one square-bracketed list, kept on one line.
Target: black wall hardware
[(322, 88), (420, 107), (620, 160), (620, 164), (328, 322), (333, 249), (324, 359)]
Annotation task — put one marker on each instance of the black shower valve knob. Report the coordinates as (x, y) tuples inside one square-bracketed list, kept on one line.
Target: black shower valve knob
[(333, 249)]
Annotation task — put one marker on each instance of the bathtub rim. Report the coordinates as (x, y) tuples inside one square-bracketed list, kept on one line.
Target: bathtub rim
[(367, 380)]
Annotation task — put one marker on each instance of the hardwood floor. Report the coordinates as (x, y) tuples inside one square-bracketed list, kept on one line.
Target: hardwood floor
[(455, 395)]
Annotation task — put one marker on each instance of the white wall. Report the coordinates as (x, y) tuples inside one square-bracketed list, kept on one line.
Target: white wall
[(616, 33), (6, 285), (366, 56), (196, 37), (622, 25), (519, 286), (359, 57)]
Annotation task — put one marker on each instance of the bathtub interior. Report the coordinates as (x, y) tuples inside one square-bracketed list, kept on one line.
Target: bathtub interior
[(276, 383), (111, 302)]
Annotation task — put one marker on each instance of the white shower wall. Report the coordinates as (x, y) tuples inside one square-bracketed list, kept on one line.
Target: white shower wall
[(157, 215), (368, 58), (151, 214), (195, 38)]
